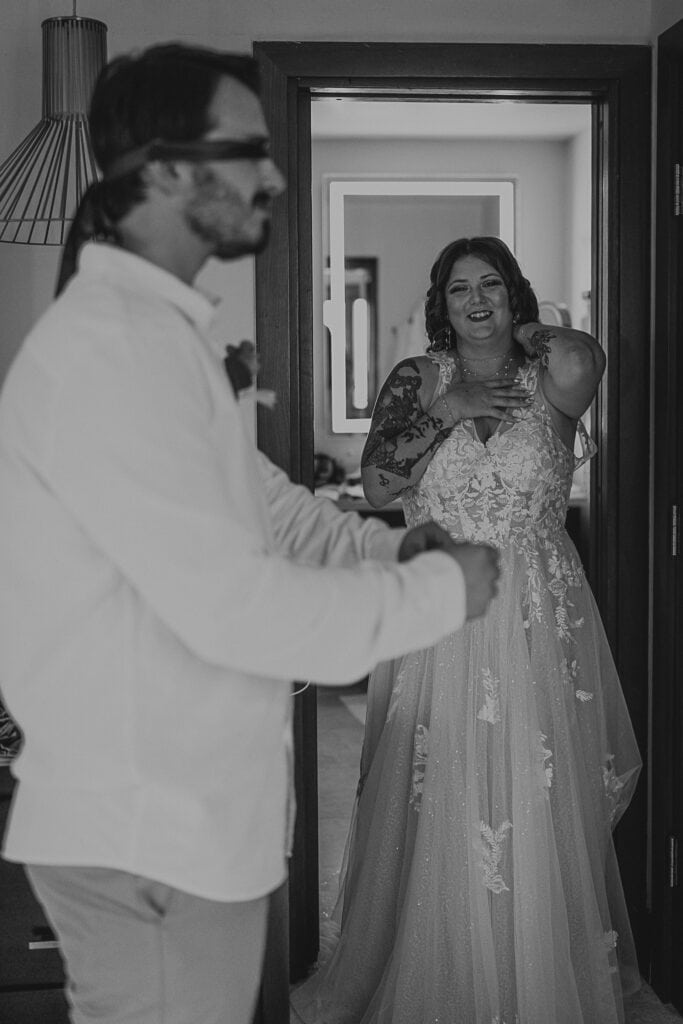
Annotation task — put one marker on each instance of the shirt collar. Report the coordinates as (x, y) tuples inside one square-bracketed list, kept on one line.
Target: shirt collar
[(133, 272)]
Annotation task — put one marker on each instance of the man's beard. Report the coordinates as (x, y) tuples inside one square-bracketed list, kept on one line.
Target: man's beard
[(241, 247), (205, 215)]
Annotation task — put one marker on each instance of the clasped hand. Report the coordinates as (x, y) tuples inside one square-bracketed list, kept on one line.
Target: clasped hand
[(494, 397), (479, 562)]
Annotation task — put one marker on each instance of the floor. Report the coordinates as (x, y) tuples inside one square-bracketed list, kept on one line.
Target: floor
[(341, 715)]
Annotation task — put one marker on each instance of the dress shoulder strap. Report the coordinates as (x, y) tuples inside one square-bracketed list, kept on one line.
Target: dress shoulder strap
[(588, 445), (528, 375)]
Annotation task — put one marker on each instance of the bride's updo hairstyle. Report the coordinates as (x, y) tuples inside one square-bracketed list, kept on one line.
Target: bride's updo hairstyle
[(163, 92), (493, 251)]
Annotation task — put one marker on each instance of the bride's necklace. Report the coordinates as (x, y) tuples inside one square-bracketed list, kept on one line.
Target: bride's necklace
[(503, 370)]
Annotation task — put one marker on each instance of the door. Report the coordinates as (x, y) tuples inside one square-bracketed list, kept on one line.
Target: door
[(667, 724), (616, 81)]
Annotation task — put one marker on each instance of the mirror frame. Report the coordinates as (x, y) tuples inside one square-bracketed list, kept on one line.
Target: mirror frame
[(616, 80)]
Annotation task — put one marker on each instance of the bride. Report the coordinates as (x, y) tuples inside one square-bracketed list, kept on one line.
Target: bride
[(480, 883)]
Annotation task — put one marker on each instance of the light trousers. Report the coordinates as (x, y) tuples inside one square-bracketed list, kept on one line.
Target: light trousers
[(139, 952)]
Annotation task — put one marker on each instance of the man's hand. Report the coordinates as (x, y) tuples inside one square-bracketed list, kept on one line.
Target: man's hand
[(479, 562), (428, 537)]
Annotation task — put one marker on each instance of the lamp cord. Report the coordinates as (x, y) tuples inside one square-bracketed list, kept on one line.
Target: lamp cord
[(301, 689)]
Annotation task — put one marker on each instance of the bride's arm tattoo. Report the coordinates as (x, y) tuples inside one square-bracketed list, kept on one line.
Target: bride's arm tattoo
[(539, 343), (402, 435)]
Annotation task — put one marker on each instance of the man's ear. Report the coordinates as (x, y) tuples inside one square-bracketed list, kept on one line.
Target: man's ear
[(168, 176)]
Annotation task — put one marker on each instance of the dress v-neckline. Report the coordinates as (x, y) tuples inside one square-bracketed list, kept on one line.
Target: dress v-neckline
[(473, 432), (498, 432)]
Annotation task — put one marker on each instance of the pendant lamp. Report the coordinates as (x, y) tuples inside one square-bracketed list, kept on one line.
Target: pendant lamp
[(42, 181)]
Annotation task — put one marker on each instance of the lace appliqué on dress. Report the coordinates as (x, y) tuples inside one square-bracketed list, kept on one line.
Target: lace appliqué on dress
[(569, 671), (490, 710), (609, 941), (420, 754), (588, 445), (490, 846), (544, 755), (613, 786)]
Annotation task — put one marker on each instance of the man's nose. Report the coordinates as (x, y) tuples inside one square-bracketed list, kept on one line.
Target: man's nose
[(272, 179)]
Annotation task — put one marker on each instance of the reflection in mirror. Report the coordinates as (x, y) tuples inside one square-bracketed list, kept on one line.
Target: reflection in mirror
[(358, 377), (543, 153)]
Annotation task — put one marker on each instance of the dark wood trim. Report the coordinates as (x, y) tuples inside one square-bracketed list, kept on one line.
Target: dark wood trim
[(276, 315), (623, 505), (272, 1006), (616, 80), (667, 703), (303, 284), (511, 69)]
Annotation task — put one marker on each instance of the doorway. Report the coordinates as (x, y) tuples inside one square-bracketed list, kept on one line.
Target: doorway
[(615, 80), (392, 182)]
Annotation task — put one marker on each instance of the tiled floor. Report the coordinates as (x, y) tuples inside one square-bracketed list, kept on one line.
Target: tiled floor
[(340, 735)]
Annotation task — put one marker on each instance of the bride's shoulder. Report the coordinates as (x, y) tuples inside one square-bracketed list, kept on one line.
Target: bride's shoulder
[(428, 364), (418, 366), (432, 370)]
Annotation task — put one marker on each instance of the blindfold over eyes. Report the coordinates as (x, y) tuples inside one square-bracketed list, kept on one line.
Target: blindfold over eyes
[(197, 151)]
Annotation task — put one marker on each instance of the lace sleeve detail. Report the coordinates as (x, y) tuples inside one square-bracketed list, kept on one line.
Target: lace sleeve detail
[(10, 737)]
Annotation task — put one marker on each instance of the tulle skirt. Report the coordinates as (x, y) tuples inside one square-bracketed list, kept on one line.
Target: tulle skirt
[(480, 883)]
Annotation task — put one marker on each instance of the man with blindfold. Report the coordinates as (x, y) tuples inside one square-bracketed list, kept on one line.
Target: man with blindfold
[(163, 582)]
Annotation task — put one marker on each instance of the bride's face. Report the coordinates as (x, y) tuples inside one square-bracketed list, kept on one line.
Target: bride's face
[(477, 302)]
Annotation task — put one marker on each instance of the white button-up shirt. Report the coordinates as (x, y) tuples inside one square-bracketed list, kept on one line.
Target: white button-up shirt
[(161, 584)]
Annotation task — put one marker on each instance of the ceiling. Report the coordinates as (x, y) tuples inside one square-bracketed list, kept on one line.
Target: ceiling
[(504, 119)]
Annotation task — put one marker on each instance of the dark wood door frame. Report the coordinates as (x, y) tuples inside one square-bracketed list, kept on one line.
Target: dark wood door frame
[(616, 80), (667, 701)]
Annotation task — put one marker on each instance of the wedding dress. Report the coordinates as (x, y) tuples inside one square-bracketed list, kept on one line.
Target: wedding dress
[(480, 883)]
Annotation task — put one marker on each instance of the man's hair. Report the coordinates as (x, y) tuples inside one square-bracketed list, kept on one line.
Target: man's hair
[(493, 251), (163, 92)]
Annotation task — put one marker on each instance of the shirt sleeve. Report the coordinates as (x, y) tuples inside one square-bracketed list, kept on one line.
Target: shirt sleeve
[(156, 483), (313, 530)]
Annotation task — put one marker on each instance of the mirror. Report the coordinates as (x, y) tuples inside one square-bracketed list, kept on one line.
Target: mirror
[(354, 328), (379, 216)]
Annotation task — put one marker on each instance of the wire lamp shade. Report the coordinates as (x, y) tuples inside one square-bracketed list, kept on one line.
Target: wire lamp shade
[(42, 181)]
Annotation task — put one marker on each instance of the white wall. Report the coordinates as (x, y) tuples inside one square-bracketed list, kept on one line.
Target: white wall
[(665, 13), (27, 272), (238, 22), (27, 279), (580, 223), (543, 227), (406, 233)]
